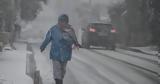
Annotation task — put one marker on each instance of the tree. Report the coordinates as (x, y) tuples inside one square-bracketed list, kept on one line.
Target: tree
[(7, 13), (155, 22), (116, 13), (9, 9), (30, 9), (132, 18), (137, 21)]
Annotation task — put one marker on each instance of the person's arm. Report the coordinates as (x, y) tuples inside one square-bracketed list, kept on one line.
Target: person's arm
[(76, 43), (46, 41)]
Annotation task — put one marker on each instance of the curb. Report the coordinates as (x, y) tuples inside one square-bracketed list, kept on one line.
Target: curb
[(136, 50), (31, 67)]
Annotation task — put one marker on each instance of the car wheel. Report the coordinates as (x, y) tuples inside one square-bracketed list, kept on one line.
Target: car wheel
[(106, 47), (113, 47), (1, 48), (110, 47), (85, 45), (85, 42)]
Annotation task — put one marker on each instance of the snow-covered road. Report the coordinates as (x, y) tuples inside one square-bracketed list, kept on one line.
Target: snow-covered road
[(90, 67), (93, 66)]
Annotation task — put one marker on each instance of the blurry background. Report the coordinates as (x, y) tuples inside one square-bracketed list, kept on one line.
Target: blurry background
[(24, 24), (133, 19)]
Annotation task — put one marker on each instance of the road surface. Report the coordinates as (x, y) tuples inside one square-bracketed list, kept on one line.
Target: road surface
[(98, 66)]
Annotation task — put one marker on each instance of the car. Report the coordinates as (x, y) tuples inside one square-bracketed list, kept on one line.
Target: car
[(99, 34)]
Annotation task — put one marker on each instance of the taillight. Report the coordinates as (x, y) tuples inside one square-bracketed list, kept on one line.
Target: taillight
[(92, 30), (113, 30)]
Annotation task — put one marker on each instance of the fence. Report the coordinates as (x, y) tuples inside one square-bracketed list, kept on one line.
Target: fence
[(31, 69)]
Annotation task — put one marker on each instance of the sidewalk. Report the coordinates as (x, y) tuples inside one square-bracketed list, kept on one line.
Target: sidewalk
[(13, 66), (148, 50), (145, 50)]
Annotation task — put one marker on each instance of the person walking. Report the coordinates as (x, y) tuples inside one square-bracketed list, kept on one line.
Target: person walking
[(62, 37)]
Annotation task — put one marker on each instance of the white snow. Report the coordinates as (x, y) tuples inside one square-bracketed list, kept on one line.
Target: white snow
[(90, 68), (149, 57), (119, 71), (132, 60), (13, 65), (147, 49), (86, 67), (44, 65)]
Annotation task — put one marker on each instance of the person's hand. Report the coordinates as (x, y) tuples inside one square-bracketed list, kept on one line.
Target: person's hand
[(41, 49), (77, 46)]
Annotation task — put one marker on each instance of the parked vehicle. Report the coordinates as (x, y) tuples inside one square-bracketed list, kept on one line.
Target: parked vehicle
[(99, 34)]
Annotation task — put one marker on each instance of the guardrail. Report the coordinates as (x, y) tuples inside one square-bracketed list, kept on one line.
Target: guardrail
[(158, 61), (31, 69)]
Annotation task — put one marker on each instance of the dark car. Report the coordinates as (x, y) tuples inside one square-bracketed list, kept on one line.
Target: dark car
[(99, 34)]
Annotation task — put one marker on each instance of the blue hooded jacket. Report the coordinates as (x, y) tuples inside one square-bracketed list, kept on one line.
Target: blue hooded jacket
[(61, 43)]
